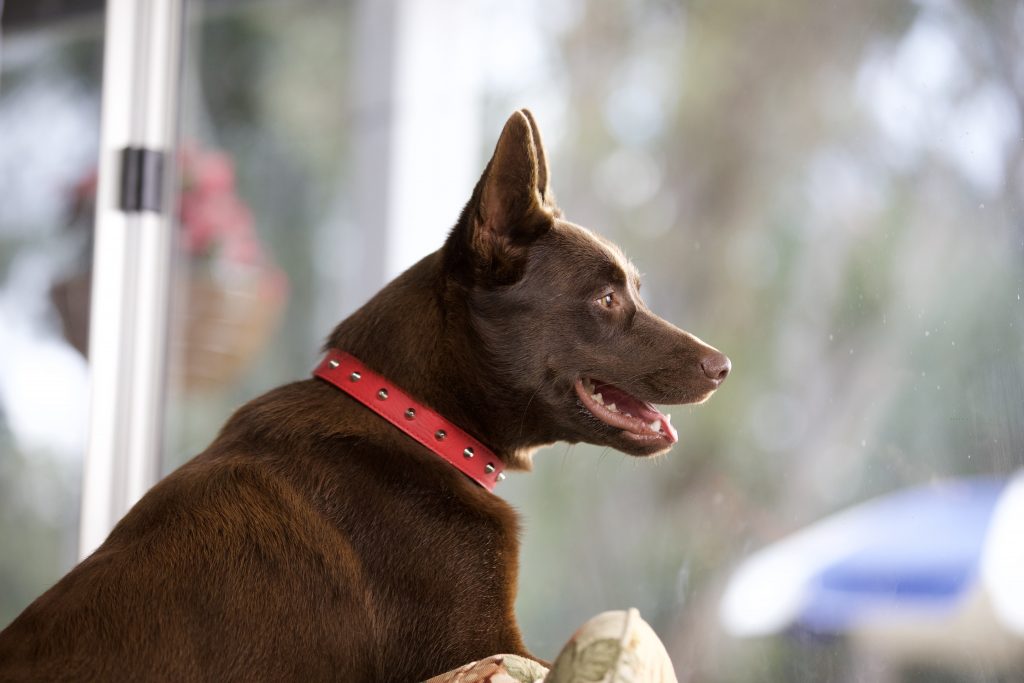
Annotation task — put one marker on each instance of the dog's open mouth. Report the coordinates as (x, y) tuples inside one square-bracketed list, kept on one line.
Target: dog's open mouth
[(618, 408)]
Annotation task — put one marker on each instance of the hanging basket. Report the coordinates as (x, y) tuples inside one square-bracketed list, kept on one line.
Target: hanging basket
[(227, 322), (219, 324), (230, 303)]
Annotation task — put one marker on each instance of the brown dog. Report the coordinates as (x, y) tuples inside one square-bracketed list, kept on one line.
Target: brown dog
[(313, 540)]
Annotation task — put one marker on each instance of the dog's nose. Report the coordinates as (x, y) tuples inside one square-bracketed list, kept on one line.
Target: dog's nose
[(716, 366)]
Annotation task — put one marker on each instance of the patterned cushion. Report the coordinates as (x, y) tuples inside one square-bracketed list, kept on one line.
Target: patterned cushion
[(613, 647)]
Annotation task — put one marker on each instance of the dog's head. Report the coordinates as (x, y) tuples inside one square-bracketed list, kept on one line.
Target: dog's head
[(557, 315)]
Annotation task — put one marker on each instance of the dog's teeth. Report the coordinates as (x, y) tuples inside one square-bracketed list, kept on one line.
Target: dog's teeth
[(611, 407), (599, 398), (655, 426)]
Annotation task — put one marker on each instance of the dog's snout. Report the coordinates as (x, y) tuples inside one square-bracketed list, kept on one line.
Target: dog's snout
[(716, 366)]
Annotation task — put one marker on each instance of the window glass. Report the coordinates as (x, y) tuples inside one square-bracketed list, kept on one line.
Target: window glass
[(832, 196), (265, 163), (49, 134)]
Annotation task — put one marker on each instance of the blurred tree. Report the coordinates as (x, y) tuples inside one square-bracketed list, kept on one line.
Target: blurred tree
[(806, 185)]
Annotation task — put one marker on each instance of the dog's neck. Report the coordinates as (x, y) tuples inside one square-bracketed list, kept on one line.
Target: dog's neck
[(407, 334)]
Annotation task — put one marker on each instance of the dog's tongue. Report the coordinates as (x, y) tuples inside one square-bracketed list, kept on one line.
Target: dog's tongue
[(631, 405)]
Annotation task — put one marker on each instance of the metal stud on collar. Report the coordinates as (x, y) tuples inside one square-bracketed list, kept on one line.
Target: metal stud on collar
[(468, 452), (355, 377), (489, 468), (382, 394), (334, 363), (410, 413), (440, 434), (501, 476)]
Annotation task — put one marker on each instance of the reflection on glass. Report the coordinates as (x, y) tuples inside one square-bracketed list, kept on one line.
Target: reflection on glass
[(831, 196), (49, 133), (264, 165)]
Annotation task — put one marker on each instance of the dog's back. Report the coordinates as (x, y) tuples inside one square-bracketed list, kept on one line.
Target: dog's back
[(283, 554)]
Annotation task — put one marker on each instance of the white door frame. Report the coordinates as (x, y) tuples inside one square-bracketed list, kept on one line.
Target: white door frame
[(131, 261)]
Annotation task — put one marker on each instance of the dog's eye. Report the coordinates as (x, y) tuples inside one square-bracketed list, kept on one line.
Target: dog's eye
[(608, 300)]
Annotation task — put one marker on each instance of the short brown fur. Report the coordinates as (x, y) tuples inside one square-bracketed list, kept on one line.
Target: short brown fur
[(312, 540)]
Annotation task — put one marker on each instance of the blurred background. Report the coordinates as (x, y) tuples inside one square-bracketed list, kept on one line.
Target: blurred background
[(831, 193)]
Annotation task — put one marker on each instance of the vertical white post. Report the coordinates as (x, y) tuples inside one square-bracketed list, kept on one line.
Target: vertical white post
[(437, 112), (131, 262), (417, 115)]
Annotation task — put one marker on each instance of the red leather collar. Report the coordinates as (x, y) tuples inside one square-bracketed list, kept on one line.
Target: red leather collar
[(432, 430)]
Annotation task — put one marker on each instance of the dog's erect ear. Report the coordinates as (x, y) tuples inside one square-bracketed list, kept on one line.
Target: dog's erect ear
[(547, 197), (508, 210), (510, 188)]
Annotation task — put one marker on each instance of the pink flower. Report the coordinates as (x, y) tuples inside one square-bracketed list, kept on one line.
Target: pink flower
[(85, 189), (215, 222), (214, 173)]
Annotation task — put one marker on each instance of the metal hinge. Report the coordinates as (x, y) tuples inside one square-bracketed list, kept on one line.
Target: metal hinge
[(142, 179)]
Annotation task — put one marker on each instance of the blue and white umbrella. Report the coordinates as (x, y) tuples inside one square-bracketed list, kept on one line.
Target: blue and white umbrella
[(935, 571)]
